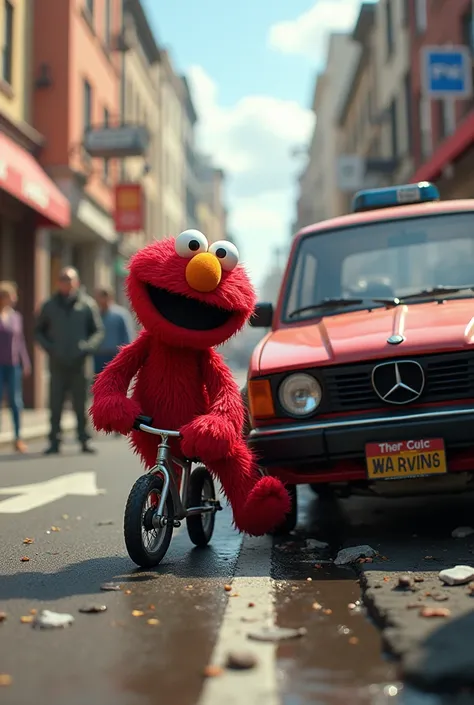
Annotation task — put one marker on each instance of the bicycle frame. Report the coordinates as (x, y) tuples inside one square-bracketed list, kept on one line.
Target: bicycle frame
[(164, 467)]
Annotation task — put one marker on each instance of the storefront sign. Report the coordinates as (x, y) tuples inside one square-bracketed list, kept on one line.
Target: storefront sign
[(116, 142), (129, 211)]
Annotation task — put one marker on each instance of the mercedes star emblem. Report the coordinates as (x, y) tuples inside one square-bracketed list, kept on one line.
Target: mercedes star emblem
[(398, 382), (395, 339)]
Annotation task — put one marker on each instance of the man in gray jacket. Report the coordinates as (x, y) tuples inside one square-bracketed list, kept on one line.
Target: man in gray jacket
[(69, 328)]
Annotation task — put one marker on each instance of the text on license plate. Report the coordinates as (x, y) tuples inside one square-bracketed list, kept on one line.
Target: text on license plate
[(402, 459)]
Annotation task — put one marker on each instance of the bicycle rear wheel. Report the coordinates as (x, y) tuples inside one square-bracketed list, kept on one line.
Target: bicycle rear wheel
[(146, 545)]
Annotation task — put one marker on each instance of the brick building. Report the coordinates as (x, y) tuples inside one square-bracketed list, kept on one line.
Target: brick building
[(442, 131)]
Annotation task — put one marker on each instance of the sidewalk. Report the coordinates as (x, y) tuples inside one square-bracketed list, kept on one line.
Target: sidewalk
[(35, 424)]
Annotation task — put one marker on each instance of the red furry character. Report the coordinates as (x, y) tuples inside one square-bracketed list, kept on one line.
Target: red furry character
[(190, 297)]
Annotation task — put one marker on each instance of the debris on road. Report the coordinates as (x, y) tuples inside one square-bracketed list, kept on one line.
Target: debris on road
[(275, 633), (137, 613), (3, 616), (314, 545), (110, 587), (26, 619), (459, 575), (435, 612), (24, 559), (213, 671), (5, 680), (28, 541), (405, 582), (92, 609), (228, 588), (52, 620), (317, 606), (107, 522), (462, 532), (353, 553), (153, 622), (241, 660)]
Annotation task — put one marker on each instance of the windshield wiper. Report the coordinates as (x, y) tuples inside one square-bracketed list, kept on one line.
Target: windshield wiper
[(334, 303), (437, 291)]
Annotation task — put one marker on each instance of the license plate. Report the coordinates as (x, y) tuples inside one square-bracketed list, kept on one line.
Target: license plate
[(403, 459)]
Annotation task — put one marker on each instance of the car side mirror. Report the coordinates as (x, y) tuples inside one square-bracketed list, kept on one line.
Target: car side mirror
[(262, 316)]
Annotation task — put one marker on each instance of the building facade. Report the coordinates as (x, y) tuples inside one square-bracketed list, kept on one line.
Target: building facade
[(443, 130), (192, 187), (319, 197), (173, 150), (80, 69), (29, 200), (141, 106)]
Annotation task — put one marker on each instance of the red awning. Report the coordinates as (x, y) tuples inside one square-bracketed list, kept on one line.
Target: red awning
[(23, 178), (451, 148)]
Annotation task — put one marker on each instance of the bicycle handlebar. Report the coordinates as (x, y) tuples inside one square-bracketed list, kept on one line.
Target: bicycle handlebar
[(144, 423)]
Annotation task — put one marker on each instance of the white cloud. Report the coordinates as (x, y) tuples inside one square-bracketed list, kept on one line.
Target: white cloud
[(307, 34), (253, 141)]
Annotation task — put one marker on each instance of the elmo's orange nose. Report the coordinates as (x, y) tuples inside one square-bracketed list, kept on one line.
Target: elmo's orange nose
[(203, 272)]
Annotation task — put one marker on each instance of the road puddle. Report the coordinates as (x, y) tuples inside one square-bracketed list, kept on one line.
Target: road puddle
[(340, 661)]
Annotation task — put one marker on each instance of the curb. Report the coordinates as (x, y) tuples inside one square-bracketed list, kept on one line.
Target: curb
[(34, 433)]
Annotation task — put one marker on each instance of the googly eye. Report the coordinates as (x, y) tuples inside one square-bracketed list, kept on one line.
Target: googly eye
[(190, 243), (226, 253)]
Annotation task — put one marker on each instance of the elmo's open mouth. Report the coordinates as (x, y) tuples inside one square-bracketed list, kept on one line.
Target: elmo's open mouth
[(185, 312)]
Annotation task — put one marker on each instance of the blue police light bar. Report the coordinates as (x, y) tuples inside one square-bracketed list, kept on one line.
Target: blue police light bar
[(373, 199)]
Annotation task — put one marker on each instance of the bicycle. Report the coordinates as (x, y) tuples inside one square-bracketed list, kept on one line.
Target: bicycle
[(156, 504)]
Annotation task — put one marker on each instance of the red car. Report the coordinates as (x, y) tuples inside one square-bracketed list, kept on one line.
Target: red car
[(365, 383)]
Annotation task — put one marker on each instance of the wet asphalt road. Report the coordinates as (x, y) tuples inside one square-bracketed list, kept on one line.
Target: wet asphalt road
[(120, 659)]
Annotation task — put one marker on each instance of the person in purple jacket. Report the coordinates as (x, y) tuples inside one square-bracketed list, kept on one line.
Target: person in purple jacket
[(14, 359)]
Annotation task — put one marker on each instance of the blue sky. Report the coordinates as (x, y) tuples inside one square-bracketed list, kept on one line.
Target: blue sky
[(252, 67)]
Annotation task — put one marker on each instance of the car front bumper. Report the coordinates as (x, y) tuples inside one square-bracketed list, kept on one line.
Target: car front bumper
[(330, 441)]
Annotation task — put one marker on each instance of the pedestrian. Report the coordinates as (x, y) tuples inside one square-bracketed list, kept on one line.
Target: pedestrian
[(14, 359), (118, 326), (69, 328)]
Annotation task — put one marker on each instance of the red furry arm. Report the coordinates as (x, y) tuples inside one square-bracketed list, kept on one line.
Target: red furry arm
[(225, 400), (111, 409)]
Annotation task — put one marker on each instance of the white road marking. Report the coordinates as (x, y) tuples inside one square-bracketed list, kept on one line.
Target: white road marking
[(252, 583), (41, 493)]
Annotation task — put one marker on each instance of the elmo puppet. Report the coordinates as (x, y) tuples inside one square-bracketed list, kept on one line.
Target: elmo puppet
[(189, 298)]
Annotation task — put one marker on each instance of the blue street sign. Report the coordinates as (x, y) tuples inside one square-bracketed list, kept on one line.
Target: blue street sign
[(446, 72)]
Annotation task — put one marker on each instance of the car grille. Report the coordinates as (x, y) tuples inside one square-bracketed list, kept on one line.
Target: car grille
[(447, 377)]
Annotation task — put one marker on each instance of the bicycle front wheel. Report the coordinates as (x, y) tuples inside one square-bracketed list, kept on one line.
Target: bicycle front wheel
[(146, 545)]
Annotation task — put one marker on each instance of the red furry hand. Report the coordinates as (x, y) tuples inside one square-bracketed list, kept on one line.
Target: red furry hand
[(115, 413), (208, 438)]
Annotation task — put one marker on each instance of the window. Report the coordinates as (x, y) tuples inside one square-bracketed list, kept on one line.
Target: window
[(106, 161), (87, 105), (107, 27), (7, 52), (389, 26), (391, 258), (394, 128), (421, 17)]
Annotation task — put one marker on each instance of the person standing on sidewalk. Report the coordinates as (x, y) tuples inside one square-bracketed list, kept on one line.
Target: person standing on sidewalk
[(69, 328), (118, 326), (14, 359)]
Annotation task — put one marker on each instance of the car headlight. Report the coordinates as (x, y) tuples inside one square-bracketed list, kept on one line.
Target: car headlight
[(300, 394)]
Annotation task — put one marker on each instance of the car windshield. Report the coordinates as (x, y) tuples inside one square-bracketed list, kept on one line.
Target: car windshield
[(378, 262)]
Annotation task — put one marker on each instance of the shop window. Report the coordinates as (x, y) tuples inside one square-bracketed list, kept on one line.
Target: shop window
[(7, 53)]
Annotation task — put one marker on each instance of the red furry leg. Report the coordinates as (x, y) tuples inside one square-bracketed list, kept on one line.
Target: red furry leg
[(259, 504)]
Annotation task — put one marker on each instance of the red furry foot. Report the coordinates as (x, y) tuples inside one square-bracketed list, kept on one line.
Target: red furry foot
[(266, 507)]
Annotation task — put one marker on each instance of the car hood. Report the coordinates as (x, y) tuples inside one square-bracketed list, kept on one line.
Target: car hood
[(363, 335)]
